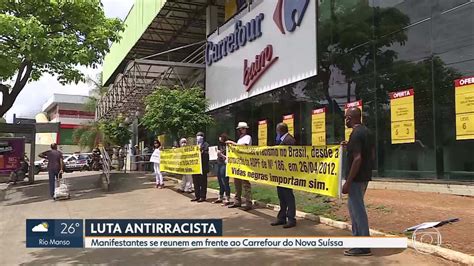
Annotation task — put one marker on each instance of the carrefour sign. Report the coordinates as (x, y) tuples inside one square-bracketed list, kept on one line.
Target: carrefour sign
[(267, 47), (242, 34)]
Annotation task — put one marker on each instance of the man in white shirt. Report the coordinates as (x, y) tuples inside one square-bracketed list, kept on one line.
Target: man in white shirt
[(244, 139)]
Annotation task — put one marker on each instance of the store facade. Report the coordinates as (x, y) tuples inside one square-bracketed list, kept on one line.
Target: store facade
[(262, 68)]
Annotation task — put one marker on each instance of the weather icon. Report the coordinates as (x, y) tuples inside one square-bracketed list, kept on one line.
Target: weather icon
[(42, 227)]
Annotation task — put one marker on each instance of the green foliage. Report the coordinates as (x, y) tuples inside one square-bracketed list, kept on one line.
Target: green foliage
[(116, 131), (88, 136), (95, 93), (3, 121), (53, 37), (178, 112)]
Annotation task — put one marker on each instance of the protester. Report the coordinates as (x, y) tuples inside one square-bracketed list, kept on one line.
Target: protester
[(55, 166), (121, 158), (135, 157), (156, 165), (200, 180), (286, 215), (222, 178), (360, 155), (186, 181), (244, 139)]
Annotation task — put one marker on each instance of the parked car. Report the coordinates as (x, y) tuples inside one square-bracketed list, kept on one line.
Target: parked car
[(41, 166), (76, 162)]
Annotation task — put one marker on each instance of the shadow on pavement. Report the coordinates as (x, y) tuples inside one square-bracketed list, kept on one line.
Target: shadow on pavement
[(80, 187), (255, 224)]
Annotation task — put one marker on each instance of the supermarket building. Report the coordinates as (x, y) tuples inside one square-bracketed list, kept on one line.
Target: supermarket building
[(407, 64)]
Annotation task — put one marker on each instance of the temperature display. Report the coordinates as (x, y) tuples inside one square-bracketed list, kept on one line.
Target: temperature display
[(54, 233)]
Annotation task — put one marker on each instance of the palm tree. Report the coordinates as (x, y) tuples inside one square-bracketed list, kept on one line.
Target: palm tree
[(91, 134)]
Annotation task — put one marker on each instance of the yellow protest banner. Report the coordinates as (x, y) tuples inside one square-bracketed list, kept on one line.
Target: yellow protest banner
[(290, 121), (262, 133), (402, 113), (464, 97), (348, 131), (161, 139), (184, 160), (318, 127), (307, 168)]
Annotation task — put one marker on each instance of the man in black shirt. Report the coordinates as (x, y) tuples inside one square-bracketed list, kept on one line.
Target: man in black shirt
[(360, 155)]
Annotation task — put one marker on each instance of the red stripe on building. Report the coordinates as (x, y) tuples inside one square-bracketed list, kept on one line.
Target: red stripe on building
[(69, 126)]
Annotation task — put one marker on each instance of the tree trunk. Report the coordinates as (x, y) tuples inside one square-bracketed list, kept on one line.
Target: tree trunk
[(9, 96)]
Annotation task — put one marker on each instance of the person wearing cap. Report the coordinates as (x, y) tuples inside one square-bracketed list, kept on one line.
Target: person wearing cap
[(200, 180), (186, 180), (244, 139)]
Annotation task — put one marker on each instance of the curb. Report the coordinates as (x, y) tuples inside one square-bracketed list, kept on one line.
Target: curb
[(445, 253)]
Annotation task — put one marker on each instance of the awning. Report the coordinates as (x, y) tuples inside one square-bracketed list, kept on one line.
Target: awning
[(169, 53)]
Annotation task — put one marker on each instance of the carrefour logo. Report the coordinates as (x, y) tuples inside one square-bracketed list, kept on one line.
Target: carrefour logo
[(290, 13)]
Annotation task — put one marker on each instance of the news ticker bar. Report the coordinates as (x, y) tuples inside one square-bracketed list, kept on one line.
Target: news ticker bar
[(246, 242), (174, 233)]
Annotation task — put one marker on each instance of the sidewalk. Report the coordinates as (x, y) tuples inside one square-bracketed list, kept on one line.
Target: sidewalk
[(391, 211), (135, 197)]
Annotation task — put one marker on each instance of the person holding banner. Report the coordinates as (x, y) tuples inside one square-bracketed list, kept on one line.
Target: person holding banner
[(222, 178), (200, 181), (360, 154), (186, 181), (155, 159), (286, 215), (244, 139)]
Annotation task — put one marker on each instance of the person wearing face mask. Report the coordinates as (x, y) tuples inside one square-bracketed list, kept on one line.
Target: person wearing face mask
[(244, 139), (287, 213), (186, 180), (224, 188), (200, 181)]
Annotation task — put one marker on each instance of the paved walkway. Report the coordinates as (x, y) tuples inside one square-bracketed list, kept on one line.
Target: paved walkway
[(134, 197)]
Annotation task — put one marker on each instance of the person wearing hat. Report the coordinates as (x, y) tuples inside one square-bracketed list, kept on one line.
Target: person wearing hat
[(186, 180), (244, 139), (200, 180)]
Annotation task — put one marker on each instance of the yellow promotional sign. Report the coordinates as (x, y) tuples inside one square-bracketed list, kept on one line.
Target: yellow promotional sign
[(357, 104), (290, 121), (402, 113), (185, 160), (464, 94), (262, 133), (318, 127), (307, 168)]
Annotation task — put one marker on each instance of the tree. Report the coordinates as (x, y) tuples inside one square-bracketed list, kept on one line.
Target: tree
[(91, 134), (3, 121), (178, 112), (116, 131), (95, 93), (52, 37)]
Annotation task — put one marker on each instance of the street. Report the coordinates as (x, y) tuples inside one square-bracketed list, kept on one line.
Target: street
[(134, 196)]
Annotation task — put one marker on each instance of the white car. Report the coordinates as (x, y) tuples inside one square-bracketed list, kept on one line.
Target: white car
[(76, 162), (41, 166)]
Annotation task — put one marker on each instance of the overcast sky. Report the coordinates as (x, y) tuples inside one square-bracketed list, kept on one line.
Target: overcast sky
[(35, 94)]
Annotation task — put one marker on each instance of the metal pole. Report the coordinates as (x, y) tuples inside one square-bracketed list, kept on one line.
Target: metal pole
[(31, 174)]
